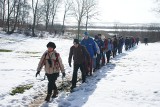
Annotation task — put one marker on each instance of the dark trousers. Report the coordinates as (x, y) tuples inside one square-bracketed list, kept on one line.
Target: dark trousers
[(108, 54), (51, 82), (75, 70), (114, 52), (98, 61)]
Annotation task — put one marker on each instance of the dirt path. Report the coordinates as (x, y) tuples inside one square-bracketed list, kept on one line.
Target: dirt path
[(38, 101)]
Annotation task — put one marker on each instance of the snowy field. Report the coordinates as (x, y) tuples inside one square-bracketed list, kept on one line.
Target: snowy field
[(132, 79)]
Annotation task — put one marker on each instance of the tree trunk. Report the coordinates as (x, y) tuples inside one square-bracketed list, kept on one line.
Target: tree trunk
[(17, 13), (86, 23), (62, 29), (79, 22), (3, 13), (34, 19), (8, 18)]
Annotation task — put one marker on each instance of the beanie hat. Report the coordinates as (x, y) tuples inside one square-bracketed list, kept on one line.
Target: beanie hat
[(86, 33), (96, 37), (76, 41), (51, 44)]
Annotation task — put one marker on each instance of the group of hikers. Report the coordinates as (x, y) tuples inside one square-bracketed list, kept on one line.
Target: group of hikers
[(89, 55)]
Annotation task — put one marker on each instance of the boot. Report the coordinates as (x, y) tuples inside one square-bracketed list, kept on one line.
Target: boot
[(47, 97), (55, 94)]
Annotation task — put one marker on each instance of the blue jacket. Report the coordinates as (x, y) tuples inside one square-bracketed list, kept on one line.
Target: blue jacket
[(110, 46), (90, 45), (100, 43)]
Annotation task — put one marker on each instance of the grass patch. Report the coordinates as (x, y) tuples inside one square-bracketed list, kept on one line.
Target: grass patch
[(5, 50), (34, 56), (21, 89), (27, 52)]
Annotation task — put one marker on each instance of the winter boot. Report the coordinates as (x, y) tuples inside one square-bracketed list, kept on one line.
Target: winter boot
[(55, 94), (47, 97)]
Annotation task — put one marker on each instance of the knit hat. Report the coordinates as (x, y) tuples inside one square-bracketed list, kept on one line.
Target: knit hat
[(76, 41), (86, 33), (96, 36), (51, 44)]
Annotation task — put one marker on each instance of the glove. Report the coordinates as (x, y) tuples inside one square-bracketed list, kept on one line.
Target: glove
[(70, 64), (38, 72), (63, 74)]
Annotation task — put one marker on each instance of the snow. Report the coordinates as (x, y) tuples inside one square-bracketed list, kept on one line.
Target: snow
[(131, 79)]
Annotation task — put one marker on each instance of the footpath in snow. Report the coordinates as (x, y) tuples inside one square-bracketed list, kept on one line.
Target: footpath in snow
[(131, 79)]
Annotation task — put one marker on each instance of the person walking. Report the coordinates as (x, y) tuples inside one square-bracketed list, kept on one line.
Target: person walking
[(52, 62), (91, 48), (80, 55)]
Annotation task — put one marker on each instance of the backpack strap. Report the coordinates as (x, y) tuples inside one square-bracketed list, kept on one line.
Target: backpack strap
[(57, 55), (57, 61), (44, 58)]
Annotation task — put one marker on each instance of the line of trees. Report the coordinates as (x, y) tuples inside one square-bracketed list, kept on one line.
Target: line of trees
[(22, 14)]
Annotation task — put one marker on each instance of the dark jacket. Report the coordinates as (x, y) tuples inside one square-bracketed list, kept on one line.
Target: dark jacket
[(79, 54)]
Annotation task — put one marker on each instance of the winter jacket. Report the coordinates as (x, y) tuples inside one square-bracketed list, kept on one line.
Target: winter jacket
[(98, 49), (110, 46), (105, 45), (90, 45), (100, 43), (79, 54), (56, 61)]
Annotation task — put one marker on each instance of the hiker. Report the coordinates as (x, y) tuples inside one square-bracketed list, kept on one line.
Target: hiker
[(91, 48), (109, 49), (79, 54), (126, 43), (120, 44), (96, 57), (137, 40), (115, 46), (53, 64), (146, 41), (100, 55)]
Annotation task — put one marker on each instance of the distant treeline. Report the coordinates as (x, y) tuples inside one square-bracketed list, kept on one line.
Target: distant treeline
[(152, 33), (143, 27)]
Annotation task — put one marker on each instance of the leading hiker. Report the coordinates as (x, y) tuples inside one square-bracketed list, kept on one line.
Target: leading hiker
[(53, 64)]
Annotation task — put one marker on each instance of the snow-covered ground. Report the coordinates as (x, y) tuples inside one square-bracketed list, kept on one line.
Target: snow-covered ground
[(132, 79)]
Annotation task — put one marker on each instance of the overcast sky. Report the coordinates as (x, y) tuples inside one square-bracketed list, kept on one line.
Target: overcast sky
[(128, 11)]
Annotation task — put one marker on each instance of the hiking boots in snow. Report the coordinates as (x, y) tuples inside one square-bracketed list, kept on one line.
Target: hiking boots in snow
[(72, 87), (55, 94), (47, 97)]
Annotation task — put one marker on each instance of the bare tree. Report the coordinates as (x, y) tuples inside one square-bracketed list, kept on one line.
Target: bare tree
[(91, 11), (55, 4), (47, 8), (157, 8), (24, 11), (3, 6), (40, 15), (11, 6), (67, 6), (16, 13), (34, 16), (79, 12)]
